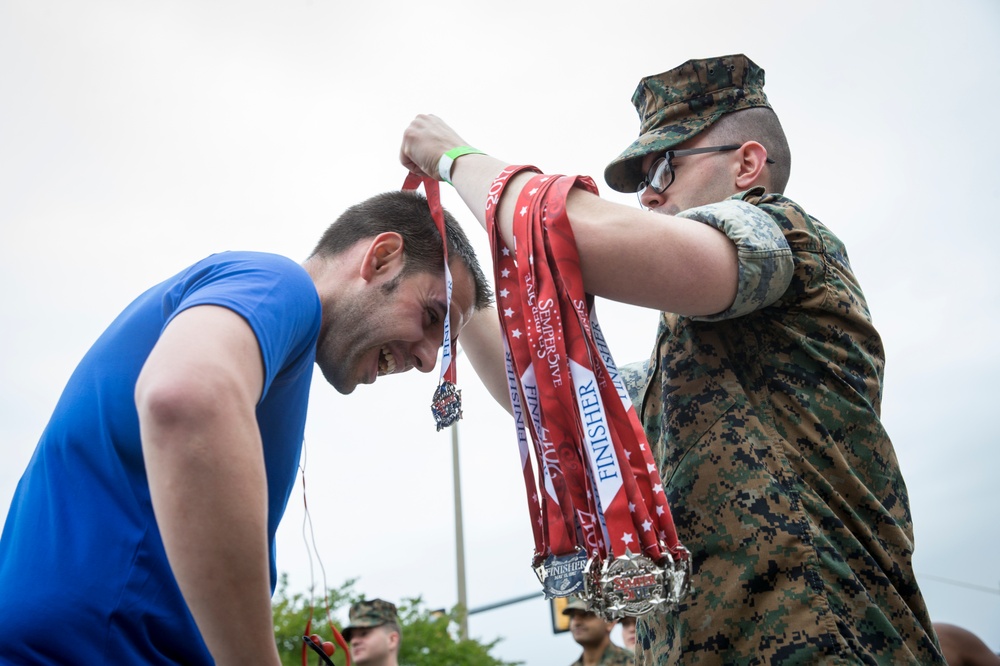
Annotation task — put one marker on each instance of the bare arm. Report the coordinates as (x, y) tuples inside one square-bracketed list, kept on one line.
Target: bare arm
[(196, 398), (482, 344), (667, 263)]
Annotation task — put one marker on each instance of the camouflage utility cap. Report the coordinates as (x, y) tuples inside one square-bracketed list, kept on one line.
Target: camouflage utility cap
[(373, 613), (576, 604), (677, 105)]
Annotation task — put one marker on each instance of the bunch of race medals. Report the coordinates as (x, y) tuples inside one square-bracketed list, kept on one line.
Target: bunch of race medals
[(446, 405), (601, 524)]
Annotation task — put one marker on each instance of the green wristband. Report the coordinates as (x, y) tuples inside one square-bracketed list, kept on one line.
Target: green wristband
[(448, 159)]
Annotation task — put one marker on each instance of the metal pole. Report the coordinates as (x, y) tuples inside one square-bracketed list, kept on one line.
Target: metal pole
[(463, 627), (501, 604)]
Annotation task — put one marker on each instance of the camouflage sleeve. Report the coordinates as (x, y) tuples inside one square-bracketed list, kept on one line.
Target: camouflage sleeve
[(765, 260), (634, 376)]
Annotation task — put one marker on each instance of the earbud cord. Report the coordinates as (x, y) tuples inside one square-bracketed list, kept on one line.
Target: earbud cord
[(309, 536)]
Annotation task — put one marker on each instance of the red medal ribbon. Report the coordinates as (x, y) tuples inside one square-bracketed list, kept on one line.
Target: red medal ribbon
[(646, 500), (547, 343), (447, 405), (606, 465), (549, 506)]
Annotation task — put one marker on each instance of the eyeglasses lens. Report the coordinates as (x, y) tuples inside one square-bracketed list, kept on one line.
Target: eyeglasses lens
[(660, 175)]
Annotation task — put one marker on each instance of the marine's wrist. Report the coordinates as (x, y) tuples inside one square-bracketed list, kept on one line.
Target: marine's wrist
[(447, 160)]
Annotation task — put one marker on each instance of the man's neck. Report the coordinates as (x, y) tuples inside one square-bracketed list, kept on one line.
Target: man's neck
[(388, 660), (592, 654)]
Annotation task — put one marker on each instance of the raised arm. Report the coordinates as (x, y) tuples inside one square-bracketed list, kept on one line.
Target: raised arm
[(667, 263), (482, 345), (196, 398)]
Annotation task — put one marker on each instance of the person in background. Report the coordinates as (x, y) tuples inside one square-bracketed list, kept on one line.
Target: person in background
[(373, 633), (593, 633), (627, 624), (961, 647)]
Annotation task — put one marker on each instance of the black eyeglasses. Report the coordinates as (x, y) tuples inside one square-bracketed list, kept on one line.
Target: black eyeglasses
[(661, 173)]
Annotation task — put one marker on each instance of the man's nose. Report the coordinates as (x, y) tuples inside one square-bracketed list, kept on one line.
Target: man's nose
[(651, 199), (425, 354)]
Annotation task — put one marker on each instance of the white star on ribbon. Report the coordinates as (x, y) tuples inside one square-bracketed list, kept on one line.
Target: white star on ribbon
[(649, 466), (506, 252), (524, 211), (504, 293), (505, 273), (642, 447), (627, 538), (533, 191), (628, 455), (647, 526), (516, 333), (659, 510), (508, 312), (658, 488), (631, 507)]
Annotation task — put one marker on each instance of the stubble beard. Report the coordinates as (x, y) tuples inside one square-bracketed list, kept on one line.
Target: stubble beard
[(350, 322)]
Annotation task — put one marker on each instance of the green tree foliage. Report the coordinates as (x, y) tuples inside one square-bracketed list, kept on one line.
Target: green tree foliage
[(291, 613), (429, 636)]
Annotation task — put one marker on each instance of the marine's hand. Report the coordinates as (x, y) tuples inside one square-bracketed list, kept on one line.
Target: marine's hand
[(424, 142)]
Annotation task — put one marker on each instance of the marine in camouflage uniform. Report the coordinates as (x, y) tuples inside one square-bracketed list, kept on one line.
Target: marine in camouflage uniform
[(764, 420), (370, 613), (596, 635), (613, 656), (374, 633)]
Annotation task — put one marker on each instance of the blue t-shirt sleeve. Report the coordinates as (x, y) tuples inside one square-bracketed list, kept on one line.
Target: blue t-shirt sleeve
[(272, 293)]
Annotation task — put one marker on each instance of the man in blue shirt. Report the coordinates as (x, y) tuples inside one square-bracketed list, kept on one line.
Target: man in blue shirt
[(150, 505)]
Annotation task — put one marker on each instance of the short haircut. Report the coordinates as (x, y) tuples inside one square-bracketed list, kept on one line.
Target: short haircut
[(406, 213), (758, 124), (392, 626)]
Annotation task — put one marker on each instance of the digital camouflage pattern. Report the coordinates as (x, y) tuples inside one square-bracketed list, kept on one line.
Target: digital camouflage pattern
[(373, 613), (613, 656), (781, 479), (764, 259), (678, 104)]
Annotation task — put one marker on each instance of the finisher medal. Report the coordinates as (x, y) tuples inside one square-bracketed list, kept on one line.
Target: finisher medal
[(562, 575), (677, 577), (446, 405), (604, 529), (632, 584)]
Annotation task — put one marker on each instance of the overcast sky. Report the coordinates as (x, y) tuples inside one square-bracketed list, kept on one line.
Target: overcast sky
[(136, 138)]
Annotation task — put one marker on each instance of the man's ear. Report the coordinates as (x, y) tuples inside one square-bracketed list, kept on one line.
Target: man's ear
[(753, 158), (384, 257)]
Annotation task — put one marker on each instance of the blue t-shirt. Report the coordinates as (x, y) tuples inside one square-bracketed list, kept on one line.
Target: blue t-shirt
[(84, 578)]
